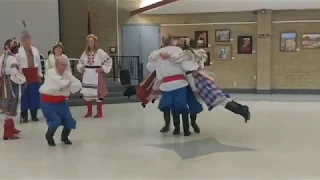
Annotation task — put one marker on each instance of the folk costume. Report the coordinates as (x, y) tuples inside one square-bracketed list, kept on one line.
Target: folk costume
[(195, 107), (93, 83), (54, 91), (11, 79), (203, 84), (173, 86), (50, 63), (29, 60)]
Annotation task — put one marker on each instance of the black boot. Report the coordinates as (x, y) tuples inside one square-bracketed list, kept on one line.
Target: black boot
[(239, 109), (24, 116), (65, 136), (185, 121), (49, 136), (34, 115), (176, 123), (167, 119), (193, 118)]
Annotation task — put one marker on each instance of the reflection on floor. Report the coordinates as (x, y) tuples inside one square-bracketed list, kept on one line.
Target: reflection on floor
[(281, 141)]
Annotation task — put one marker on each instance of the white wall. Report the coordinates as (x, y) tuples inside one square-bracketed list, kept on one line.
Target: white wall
[(42, 19)]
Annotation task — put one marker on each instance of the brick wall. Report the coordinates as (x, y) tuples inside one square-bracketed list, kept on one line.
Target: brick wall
[(273, 69)]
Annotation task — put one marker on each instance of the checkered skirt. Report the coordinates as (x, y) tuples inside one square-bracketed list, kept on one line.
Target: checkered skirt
[(210, 93)]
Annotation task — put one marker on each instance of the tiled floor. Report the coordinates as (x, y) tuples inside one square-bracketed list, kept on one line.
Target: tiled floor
[(281, 141)]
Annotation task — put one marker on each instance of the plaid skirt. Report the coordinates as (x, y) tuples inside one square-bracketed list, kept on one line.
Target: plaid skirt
[(9, 96), (210, 93)]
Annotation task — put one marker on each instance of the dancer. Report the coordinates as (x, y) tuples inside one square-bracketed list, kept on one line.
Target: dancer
[(11, 79), (201, 83), (58, 85), (93, 63), (174, 84), (29, 59), (56, 52)]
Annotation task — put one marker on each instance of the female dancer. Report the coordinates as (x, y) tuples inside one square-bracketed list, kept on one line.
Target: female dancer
[(56, 52), (93, 63), (11, 79)]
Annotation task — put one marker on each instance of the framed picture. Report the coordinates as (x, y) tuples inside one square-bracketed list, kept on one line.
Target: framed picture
[(223, 35), (202, 38), (311, 41), (244, 44), (176, 39), (288, 42), (222, 52), (113, 49), (207, 63)]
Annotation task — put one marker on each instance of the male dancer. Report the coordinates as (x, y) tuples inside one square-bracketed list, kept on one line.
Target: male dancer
[(204, 85), (174, 84), (58, 85), (29, 59)]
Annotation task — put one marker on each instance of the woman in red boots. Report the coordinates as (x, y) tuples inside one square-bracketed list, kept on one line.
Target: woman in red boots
[(93, 64), (11, 79)]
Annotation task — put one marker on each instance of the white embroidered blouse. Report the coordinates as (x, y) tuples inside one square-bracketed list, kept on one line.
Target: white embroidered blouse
[(100, 58)]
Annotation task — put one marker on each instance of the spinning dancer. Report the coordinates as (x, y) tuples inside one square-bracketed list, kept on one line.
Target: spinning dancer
[(174, 84), (29, 59), (56, 52), (11, 78), (93, 63), (58, 85), (201, 83)]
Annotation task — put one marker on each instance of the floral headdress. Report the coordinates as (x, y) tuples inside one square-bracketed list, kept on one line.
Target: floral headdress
[(92, 36), (57, 44)]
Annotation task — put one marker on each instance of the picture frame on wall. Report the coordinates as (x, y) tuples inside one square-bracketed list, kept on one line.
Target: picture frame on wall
[(222, 52), (288, 42), (202, 38), (311, 41), (244, 44), (223, 35), (176, 39), (208, 61)]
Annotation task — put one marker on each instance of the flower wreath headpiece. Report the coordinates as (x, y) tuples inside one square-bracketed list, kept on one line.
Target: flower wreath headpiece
[(92, 36), (57, 44), (14, 42)]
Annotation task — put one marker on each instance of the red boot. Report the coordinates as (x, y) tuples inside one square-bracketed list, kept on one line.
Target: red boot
[(99, 110), (89, 107), (8, 132), (11, 122)]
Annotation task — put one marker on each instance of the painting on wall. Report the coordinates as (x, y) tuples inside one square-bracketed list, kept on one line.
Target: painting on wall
[(288, 42), (207, 63), (222, 52), (202, 38), (244, 44), (176, 39), (223, 35), (311, 41)]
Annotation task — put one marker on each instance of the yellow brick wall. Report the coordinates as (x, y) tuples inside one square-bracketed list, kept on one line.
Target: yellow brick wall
[(283, 70)]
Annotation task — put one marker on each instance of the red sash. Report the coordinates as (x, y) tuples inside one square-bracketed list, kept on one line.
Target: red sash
[(52, 99), (31, 74)]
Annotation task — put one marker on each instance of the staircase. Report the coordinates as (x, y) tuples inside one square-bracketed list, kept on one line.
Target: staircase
[(115, 95)]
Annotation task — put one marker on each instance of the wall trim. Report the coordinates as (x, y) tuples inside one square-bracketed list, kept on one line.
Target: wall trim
[(208, 24), (272, 91), (296, 21), (59, 18), (118, 28)]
